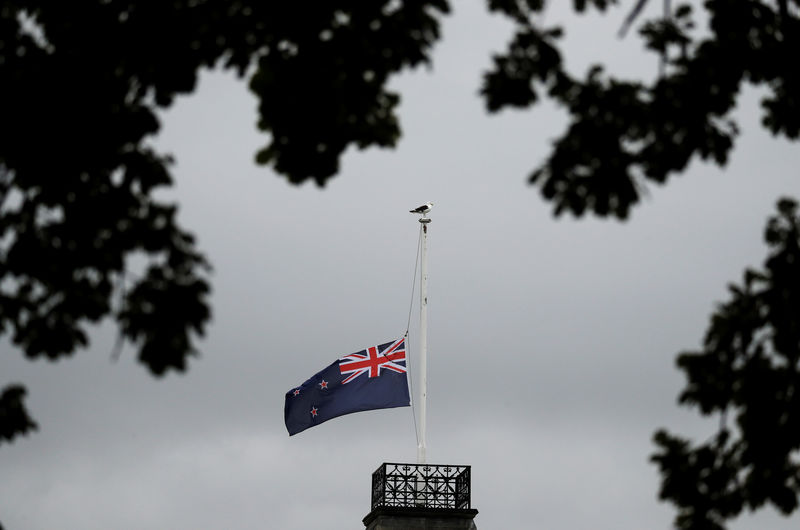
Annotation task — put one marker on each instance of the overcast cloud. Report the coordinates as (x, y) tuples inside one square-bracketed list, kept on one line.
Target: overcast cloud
[(551, 342)]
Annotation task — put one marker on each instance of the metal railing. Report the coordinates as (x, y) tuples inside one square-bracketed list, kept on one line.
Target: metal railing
[(421, 486)]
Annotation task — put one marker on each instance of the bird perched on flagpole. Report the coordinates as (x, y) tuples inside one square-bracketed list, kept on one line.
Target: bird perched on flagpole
[(425, 208)]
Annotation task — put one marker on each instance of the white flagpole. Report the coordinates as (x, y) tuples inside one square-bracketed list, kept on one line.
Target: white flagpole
[(423, 340)]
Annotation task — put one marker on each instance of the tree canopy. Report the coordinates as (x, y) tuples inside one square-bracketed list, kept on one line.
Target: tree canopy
[(82, 84), (81, 88), (749, 368)]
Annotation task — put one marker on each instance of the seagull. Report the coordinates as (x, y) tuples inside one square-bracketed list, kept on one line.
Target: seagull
[(425, 208)]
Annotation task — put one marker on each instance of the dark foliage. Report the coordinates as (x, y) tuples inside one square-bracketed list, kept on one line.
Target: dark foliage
[(623, 134), (14, 418), (749, 368), (81, 83)]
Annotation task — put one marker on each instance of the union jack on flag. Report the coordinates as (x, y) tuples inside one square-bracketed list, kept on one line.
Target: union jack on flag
[(373, 360)]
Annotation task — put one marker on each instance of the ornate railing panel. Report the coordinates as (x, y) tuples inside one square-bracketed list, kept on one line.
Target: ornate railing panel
[(421, 486)]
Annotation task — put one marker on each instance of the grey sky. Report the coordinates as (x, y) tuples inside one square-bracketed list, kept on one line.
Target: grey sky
[(551, 342)]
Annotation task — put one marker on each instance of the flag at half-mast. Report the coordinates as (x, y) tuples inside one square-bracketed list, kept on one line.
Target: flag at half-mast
[(373, 378)]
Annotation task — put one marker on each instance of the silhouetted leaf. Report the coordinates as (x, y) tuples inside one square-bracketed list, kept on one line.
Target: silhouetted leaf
[(14, 418)]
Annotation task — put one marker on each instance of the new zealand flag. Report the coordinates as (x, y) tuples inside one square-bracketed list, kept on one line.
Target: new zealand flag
[(374, 378)]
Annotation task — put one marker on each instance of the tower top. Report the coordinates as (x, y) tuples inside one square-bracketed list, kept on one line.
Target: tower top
[(420, 496)]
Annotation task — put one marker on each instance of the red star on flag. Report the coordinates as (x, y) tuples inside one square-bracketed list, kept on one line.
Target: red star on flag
[(314, 411), (323, 385)]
